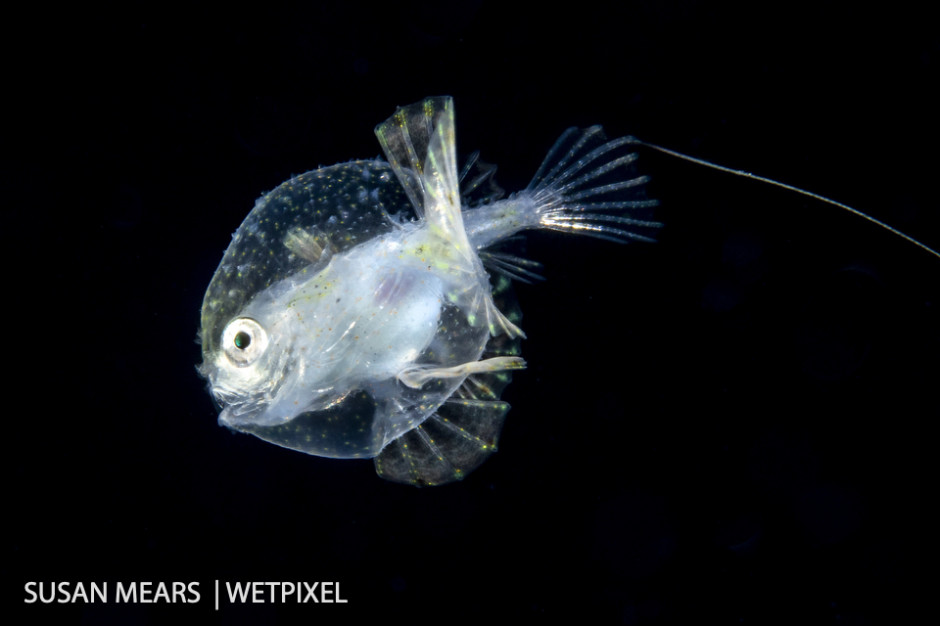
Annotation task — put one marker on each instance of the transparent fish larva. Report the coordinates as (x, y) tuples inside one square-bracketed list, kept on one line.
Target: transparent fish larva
[(365, 310)]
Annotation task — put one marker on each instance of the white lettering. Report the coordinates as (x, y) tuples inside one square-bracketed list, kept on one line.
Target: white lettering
[(162, 593), (29, 591), (241, 591), (100, 592), (330, 589), (79, 594), (311, 592), (193, 588), (259, 592), (65, 592), (128, 594)]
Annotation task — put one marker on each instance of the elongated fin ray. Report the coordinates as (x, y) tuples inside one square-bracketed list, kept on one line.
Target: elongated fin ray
[(776, 183)]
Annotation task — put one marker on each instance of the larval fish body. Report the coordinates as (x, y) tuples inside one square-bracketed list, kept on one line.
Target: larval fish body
[(353, 315)]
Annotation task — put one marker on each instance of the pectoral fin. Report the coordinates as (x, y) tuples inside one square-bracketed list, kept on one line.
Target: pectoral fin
[(415, 377)]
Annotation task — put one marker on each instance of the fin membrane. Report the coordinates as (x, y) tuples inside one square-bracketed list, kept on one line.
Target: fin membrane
[(447, 446), (420, 143)]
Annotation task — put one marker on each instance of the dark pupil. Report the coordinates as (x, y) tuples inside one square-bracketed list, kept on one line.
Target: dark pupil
[(242, 340)]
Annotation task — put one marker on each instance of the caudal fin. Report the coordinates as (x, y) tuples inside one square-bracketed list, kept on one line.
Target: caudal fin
[(588, 185)]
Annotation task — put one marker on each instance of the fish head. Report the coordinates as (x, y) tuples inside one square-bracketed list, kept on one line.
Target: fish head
[(250, 368)]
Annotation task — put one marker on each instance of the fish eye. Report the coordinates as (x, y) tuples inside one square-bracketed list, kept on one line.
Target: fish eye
[(243, 341)]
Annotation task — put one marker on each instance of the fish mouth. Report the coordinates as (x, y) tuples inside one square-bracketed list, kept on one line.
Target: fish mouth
[(244, 401), (276, 403), (280, 407), (238, 410)]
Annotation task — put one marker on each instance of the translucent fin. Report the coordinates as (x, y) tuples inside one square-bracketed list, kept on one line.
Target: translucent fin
[(420, 142), (500, 323), (588, 185), (515, 267), (447, 446), (311, 245), (478, 182), (405, 138)]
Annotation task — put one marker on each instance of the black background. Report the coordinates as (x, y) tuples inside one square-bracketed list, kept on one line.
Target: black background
[(728, 426)]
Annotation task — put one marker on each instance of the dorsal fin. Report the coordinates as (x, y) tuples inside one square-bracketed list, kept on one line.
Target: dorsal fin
[(419, 142)]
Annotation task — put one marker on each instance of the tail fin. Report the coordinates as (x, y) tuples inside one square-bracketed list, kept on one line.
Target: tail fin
[(586, 183)]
